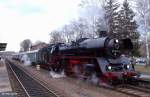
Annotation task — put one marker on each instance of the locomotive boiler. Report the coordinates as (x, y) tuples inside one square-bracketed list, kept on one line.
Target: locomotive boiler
[(97, 47)]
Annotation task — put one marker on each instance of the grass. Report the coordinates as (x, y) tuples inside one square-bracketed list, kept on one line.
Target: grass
[(142, 68)]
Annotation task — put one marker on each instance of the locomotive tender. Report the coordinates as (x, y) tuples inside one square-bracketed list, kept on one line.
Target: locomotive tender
[(99, 58)]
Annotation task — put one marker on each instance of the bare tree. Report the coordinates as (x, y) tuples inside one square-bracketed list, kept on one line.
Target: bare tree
[(80, 28), (75, 30), (67, 33), (143, 8), (25, 45), (56, 37)]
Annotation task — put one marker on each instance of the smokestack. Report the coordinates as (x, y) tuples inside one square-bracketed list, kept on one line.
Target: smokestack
[(102, 33)]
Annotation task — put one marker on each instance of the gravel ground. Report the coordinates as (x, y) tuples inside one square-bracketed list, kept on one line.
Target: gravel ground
[(71, 87)]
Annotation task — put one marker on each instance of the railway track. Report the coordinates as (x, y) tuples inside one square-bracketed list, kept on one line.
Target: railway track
[(144, 83), (26, 86), (134, 91), (140, 88), (31, 90)]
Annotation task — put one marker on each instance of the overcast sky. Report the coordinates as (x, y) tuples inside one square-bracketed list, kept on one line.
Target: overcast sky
[(33, 19)]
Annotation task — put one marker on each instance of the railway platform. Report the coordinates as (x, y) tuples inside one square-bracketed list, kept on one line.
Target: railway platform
[(5, 86)]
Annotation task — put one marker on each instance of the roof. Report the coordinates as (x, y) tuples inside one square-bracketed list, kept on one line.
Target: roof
[(3, 46)]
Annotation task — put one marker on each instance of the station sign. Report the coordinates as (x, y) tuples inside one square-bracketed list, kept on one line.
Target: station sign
[(3, 46)]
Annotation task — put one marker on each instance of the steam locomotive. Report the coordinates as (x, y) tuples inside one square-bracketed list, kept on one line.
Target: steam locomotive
[(103, 59)]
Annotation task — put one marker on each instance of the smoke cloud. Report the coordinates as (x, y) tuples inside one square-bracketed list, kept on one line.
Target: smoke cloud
[(26, 60), (57, 75)]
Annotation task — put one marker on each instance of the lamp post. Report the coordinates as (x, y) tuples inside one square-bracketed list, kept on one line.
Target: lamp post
[(147, 49), (147, 35)]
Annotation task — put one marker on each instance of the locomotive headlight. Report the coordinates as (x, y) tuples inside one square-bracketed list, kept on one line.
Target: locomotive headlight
[(109, 68), (128, 66), (116, 40)]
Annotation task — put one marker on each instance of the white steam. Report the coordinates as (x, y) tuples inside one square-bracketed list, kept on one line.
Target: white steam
[(57, 75), (94, 78), (26, 60)]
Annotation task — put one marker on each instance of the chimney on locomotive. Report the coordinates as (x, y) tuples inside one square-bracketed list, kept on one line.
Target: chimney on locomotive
[(102, 31)]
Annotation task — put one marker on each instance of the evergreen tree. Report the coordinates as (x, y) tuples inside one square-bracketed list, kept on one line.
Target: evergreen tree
[(127, 25), (111, 15)]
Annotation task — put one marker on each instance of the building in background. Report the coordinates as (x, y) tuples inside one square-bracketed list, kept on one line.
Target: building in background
[(38, 46), (6, 54), (3, 46)]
